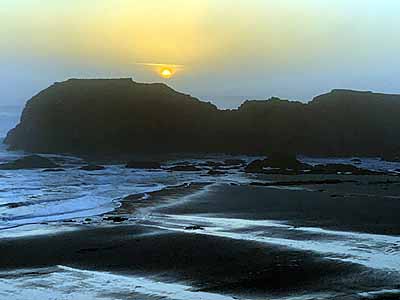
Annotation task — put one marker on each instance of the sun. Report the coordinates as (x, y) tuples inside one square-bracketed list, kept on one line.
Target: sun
[(163, 70), (166, 73)]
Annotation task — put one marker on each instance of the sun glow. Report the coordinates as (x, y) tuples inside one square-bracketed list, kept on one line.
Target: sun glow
[(166, 73), (163, 70)]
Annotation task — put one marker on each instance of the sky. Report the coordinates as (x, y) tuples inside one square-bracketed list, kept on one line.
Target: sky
[(223, 51)]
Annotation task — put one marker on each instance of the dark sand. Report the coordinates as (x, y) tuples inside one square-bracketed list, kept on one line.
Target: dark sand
[(368, 205), (211, 264), (225, 265), (132, 203)]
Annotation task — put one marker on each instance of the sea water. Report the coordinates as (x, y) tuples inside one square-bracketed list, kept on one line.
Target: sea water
[(34, 196)]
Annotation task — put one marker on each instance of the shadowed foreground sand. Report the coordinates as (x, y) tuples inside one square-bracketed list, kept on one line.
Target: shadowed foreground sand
[(221, 264)]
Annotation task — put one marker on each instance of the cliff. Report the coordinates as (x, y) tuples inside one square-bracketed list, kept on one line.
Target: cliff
[(120, 116)]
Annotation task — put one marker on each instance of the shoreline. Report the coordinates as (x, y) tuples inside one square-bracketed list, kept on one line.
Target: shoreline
[(365, 205), (227, 240), (216, 258), (211, 264)]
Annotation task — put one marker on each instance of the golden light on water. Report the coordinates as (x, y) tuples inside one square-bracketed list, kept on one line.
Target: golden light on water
[(166, 73)]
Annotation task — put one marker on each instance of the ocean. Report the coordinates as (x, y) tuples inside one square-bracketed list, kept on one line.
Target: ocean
[(34, 196), (9, 117)]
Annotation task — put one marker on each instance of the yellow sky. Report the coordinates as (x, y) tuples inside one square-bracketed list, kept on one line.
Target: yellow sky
[(251, 41), (189, 32)]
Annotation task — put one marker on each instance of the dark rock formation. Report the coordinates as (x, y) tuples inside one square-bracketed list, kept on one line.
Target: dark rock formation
[(234, 162), (92, 168), (185, 168), (280, 161), (302, 182), (356, 161), (29, 162), (134, 164), (287, 164), (112, 117), (116, 117), (256, 166), (215, 172), (54, 170), (341, 169), (194, 227), (213, 164), (115, 219), (384, 182)]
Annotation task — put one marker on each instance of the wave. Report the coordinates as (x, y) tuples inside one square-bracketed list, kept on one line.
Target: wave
[(64, 282), (370, 250)]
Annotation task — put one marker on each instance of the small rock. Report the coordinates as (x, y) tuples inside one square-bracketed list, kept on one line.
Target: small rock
[(194, 227), (215, 173), (115, 219), (133, 164), (92, 168), (182, 163), (29, 162), (15, 204), (53, 170), (190, 168), (356, 161), (301, 182), (211, 163), (278, 163), (234, 162), (337, 196)]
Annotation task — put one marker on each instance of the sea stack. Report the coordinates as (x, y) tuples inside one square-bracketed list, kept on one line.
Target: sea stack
[(121, 117)]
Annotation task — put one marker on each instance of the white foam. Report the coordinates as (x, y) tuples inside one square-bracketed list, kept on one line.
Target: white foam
[(35, 230), (33, 196), (384, 292), (75, 284), (371, 250)]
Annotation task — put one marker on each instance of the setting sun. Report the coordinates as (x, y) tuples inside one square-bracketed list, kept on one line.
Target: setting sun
[(166, 73), (161, 69), (224, 151)]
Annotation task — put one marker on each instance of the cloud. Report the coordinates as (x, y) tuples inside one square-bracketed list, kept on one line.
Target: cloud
[(161, 65)]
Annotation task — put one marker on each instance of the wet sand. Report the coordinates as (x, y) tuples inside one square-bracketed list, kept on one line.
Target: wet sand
[(132, 204), (223, 265), (369, 204), (209, 263)]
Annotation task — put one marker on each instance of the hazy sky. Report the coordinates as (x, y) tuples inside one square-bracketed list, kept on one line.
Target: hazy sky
[(228, 50)]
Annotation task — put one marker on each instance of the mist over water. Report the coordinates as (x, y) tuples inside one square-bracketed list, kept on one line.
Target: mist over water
[(9, 116)]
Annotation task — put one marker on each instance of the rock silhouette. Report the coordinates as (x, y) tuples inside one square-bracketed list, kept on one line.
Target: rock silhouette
[(277, 161), (92, 168), (189, 168), (120, 116), (134, 164), (29, 162)]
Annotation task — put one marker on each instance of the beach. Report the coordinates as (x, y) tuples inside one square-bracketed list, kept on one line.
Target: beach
[(228, 240)]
